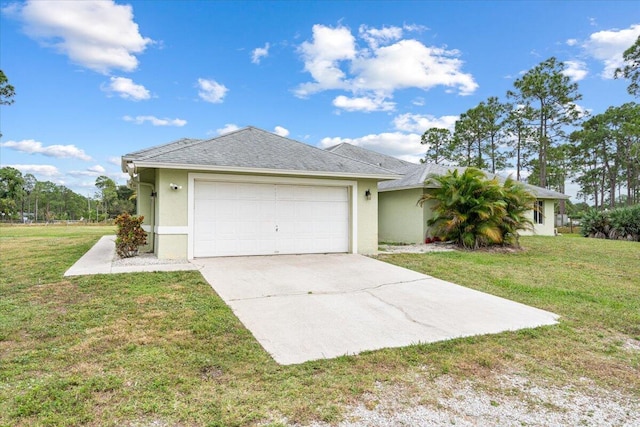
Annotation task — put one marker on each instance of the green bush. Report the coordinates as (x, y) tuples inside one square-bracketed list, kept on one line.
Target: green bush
[(595, 223), (130, 235), (625, 223), (617, 224), (475, 211)]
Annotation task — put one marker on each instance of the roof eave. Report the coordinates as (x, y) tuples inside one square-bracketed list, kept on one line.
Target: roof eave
[(263, 171), (405, 187), (415, 186)]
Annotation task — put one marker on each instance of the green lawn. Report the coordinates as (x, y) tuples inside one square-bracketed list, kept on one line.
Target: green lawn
[(164, 349)]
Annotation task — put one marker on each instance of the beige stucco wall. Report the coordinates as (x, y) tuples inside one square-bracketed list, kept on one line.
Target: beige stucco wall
[(367, 220), (547, 228), (171, 227), (400, 219), (145, 207), (172, 204)]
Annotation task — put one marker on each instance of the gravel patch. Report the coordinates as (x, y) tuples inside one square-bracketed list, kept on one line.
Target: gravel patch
[(145, 259), (632, 345), (517, 402), (416, 248)]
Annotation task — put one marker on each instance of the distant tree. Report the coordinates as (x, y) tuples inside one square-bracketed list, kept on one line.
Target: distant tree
[(519, 135), (467, 138), (11, 183), (478, 135), (108, 193), (438, 142), (607, 154), (631, 70), (547, 90), (492, 115), (124, 201), (27, 188), (7, 91)]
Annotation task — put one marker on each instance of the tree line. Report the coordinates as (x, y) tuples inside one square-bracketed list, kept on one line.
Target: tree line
[(25, 199), (540, 131)]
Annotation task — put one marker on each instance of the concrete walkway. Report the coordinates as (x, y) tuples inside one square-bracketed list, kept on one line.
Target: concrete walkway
[(101, 259), (308, 307)]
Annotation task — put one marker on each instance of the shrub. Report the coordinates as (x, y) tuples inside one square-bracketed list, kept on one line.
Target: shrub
[(625, 223), (130, 235), (595, 223), (620, 223), (475, 211)]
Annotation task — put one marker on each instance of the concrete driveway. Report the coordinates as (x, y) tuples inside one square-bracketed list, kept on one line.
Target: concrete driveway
[(308, 307)]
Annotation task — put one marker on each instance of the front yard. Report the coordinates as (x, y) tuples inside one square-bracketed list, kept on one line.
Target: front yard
[(163, 349)]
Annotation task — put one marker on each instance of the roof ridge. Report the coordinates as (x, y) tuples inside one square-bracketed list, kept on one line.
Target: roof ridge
[(155, 147), (360, 161), (325, 150), (178, 146), (232, 132), (377, 153), (333, 147)]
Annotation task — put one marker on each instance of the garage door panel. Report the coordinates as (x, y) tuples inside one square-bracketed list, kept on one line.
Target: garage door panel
[(262, 219)]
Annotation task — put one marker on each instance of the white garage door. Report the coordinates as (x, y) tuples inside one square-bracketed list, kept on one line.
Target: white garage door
[(264, 219)]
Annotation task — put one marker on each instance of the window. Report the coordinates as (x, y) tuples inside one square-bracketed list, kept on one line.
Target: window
[(538, 212)]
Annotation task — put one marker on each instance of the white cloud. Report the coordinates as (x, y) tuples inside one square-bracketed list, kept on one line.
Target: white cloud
[(42, 170), (575, 70), (95, 170), (409, 63), (387, 63), (379, 36), (582, 111), (279, 130), (322, 56), (155, 121), (31, 146), (363, 104), (229, 127), (420, 123), (405, 146), (211, 91), (260, 52), (572, 42), (127, 89), (99, 35), (114, 160), (404, 143), (609, 45)]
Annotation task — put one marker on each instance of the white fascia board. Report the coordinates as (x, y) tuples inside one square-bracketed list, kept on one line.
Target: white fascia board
[(235, 169)]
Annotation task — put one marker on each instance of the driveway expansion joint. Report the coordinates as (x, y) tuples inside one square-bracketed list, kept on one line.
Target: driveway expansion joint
[(311, 293)]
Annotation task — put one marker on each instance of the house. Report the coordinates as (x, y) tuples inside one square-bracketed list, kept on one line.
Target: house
[(251, 192), (402, 220)]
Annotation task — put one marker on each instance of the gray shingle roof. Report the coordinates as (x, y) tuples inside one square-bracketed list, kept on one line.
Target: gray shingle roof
[(369, 156), (253, 149), (414, 175)]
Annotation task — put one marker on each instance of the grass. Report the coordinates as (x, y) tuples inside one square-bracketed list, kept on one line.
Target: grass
[(164, 349)]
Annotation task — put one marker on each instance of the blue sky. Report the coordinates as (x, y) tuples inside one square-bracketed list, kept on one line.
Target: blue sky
[(96, 80)]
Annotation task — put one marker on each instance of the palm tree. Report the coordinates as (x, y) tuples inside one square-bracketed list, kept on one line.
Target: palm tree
[(475, 211), (519, 202)]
